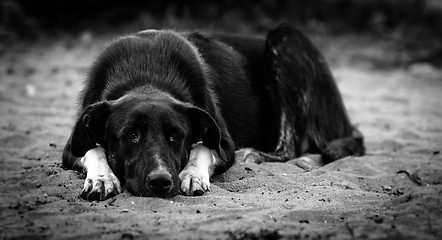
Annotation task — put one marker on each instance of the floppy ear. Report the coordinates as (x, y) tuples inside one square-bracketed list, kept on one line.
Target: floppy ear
[(89, 128), (204, 128)]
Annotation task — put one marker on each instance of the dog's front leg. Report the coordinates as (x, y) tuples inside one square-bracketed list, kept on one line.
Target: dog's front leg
[(195, 177), (101, 182)]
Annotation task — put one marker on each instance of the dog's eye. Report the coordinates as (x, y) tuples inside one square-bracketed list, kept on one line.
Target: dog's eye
[(133, 137), (174, 137)]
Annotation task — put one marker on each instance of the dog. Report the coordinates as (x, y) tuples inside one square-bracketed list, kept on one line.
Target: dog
[(162, 111)]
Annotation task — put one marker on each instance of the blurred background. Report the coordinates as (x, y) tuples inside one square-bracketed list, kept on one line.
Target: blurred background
[(386, 56), (414, 26)]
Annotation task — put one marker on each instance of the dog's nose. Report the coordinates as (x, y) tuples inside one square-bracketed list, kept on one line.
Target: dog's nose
[(159, 182)]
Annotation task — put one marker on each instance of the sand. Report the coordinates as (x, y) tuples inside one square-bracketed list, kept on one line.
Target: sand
[(393, 192)]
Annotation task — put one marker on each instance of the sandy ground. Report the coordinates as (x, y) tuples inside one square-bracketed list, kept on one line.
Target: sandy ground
[(394, 192)]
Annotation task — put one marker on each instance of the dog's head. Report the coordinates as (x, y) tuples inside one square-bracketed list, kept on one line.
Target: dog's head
[(147, 141)]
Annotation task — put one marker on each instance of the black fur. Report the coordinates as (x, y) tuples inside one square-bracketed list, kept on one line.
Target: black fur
[(275, 96)]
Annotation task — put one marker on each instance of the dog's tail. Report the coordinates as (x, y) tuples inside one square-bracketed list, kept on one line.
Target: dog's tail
[(343, 147)]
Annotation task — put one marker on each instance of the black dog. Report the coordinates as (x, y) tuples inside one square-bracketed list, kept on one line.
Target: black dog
[(162, 111)]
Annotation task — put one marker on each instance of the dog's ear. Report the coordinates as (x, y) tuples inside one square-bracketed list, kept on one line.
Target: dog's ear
[(204, 128), (90, 128)]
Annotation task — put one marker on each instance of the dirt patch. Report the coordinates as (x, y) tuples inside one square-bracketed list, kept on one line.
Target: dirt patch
[(394, 191)]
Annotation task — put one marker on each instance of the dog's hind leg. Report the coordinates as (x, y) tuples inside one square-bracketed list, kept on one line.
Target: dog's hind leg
[(307, 101), (290, 69)]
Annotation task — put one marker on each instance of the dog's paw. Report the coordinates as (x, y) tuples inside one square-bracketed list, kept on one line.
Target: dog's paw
[(100, 187), (248, 155), (195, 181), (308, 162)]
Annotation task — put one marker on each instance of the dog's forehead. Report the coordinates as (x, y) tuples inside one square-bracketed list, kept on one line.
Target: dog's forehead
[(148, 110)]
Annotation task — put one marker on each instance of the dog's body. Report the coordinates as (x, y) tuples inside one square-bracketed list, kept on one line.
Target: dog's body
[(162, 111)]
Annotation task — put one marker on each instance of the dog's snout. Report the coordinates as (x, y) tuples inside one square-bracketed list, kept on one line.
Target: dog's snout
[(159, 181)]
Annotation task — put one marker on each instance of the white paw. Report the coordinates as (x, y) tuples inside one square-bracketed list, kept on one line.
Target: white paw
[(195, 177), (194, 181), (100, 186), (101, 182)]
